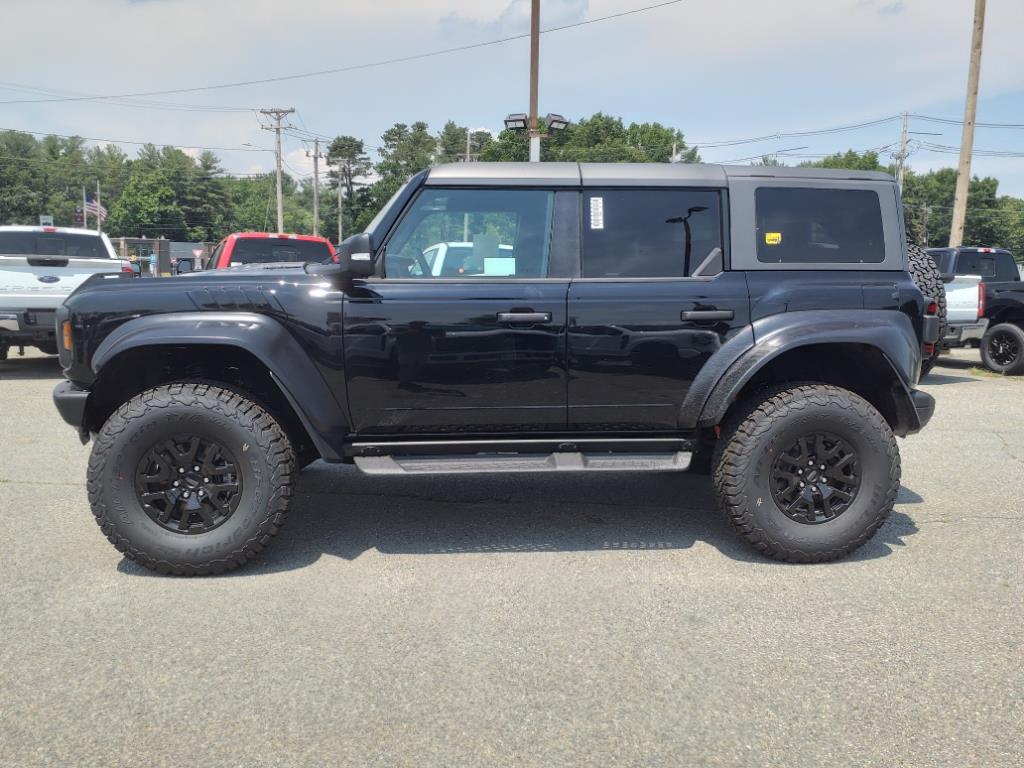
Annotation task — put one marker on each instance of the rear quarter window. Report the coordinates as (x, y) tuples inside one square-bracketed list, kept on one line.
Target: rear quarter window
[(819, 226)]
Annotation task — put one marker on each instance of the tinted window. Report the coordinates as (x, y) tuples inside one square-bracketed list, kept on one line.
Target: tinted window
[(473, 233), (819, 226), (1006, 268), (53, 244), (259, 250), (983, 264), (649, 233)]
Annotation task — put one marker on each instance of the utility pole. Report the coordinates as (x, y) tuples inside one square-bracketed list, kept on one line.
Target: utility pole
[(85, 209), (963, 174), (341, 189), (316, 185), (534, 128), (465, 216), (902, 154), (278, 115)]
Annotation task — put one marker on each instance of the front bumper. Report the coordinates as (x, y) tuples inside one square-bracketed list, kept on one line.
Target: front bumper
[(71, 401)]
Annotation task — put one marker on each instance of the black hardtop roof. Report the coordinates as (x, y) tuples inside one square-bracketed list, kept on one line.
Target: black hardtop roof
[(631, 174)]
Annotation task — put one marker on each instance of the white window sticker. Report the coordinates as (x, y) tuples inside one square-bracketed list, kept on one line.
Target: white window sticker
[(597, 213)]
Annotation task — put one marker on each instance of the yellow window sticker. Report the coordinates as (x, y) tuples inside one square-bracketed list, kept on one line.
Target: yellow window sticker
[(772, 238)]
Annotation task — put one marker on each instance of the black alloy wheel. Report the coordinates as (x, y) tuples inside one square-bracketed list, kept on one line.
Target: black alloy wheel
[(816, 479), (188, 484), (1003, 348)]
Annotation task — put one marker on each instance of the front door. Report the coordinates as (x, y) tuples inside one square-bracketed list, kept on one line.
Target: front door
[(640, 324), (465, 331)]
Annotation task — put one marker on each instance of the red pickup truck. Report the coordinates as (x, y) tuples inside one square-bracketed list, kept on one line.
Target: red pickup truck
[(265, 248)]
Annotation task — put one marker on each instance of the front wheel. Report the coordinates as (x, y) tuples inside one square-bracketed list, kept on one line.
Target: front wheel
[(190, 479), (807, 473), (1002, 349)]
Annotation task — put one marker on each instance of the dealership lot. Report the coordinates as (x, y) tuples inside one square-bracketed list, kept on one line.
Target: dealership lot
[(608, 620)]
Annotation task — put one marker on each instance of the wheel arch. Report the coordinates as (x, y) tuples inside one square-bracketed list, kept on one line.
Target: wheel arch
[(250, 353), (861, 353)]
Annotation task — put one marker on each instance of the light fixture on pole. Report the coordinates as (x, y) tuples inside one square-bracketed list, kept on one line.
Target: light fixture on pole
[(516, 121), (555, 122), (519, 121)]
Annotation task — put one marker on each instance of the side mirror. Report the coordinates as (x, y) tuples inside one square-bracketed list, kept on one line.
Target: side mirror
[(184, 265), (355, 256)]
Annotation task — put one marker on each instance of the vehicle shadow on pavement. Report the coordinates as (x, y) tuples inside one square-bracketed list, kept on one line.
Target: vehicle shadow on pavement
[(341, 513), (934, 379), (30, 368)]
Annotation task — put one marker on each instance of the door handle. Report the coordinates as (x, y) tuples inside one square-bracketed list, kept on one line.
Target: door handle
[(707, 314), (524, 317)]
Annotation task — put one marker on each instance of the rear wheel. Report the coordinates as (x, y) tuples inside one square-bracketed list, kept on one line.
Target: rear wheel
[(190, 479), (807, 473), (1002, 349), (928, 278)]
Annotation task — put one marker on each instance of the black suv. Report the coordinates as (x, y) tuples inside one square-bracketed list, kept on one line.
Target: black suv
[(755, 323)]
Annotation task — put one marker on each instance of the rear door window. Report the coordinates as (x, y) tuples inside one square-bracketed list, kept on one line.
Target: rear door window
[(270, 250), (819, 226), (631, 233)]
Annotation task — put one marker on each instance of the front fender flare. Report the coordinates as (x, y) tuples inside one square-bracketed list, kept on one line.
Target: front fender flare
[(265, 338)]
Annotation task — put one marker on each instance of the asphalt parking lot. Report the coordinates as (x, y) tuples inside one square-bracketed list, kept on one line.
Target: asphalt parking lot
[(610, 620)]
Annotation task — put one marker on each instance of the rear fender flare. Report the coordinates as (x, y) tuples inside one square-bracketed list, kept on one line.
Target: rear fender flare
[(888, 331)]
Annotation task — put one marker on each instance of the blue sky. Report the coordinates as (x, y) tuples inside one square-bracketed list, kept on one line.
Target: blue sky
[(717, 69)]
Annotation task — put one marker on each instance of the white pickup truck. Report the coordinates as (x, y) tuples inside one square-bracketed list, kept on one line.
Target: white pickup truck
[(965, 305), (39, 268)]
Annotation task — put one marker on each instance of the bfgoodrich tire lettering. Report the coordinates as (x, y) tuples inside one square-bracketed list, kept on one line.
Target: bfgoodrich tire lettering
[(266, 465), (748, 451)]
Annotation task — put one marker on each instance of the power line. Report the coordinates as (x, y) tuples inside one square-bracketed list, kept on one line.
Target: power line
[(138, 143), (949, 121), (147, 104), (350, 67), (791, 134)]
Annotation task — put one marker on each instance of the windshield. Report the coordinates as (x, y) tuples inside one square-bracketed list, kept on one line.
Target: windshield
[(260, 250), (53, 244)]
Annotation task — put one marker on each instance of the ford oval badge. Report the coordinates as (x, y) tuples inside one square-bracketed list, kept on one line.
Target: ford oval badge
[(48, 279)]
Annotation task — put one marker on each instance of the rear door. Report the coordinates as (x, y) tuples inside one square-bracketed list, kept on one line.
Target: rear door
[(478, 347), (640, 326)]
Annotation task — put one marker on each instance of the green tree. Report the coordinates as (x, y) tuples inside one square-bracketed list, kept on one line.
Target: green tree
[(147, 208)]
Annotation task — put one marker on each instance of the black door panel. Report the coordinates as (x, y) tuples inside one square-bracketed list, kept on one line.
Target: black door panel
[(633, 356), (433, 356)]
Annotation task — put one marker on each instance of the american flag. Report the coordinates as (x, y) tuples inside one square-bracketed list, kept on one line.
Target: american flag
[(96, 209)]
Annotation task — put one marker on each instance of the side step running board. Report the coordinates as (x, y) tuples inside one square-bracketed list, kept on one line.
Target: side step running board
[(553, 462)]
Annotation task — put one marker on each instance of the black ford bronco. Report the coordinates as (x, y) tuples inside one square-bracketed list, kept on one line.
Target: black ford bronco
[(757, 324)]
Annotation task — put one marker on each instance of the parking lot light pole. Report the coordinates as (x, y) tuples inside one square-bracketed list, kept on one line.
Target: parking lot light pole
[(534, 127)]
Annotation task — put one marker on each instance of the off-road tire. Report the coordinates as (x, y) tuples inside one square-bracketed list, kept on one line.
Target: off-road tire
[(751, 440), (928, 278), (266, 464), (1007, 331), (3, 351)]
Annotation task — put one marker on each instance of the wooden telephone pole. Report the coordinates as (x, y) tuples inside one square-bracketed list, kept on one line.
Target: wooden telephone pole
[(963, 175)]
